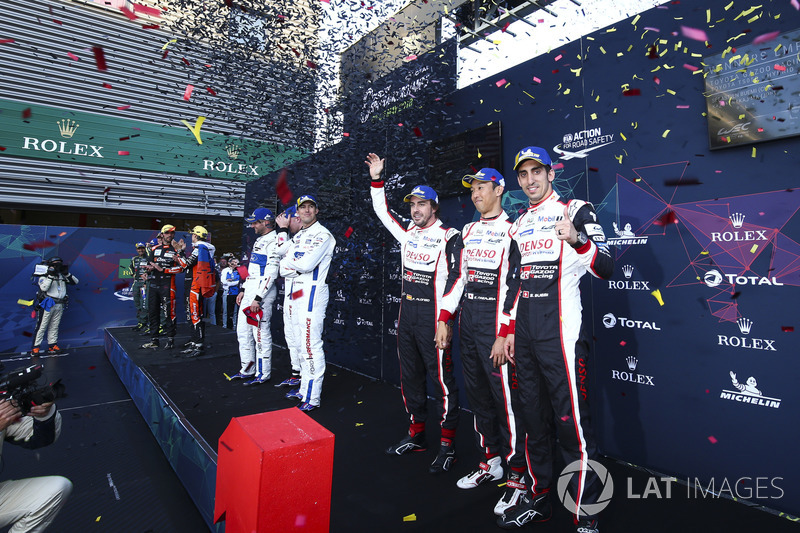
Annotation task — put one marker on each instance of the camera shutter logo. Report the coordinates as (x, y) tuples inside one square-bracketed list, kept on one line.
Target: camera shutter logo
[(712, 278), (586, 509), (609, 320)]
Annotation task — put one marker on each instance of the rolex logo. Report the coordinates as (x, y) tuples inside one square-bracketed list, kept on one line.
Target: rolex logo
[(737, 219), (67, 127), (233, 152), (632, 362), (628, 271), (744, 325)]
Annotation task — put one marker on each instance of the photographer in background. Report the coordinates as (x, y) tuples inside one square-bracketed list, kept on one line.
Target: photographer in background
[(31, 504), (51, 301)]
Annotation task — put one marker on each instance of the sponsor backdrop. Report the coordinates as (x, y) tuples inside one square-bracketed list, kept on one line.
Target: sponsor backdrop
[(694, 356)]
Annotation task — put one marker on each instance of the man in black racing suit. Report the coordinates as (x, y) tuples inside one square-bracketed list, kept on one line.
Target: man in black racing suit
[(427, 257), (163, 263), (554, 243)]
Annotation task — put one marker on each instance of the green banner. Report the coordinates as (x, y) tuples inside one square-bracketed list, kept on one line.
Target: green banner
[(41, 132)]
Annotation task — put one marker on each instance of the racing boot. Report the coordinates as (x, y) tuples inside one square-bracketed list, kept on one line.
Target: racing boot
[(531, 508), (444, 459)]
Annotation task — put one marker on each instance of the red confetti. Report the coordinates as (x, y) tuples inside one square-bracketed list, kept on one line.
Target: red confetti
[(212, 91), (4, 41), (99, 58), (310, 64), (150, 26), (693, 68), (2, 148), (107, 85), (787, 329), (622, 343), (348, 232), (780, 67), (128, 13), (186, 61), (631, 92), (26, 113), (558, 166), (123, 152), (594, 169), (298, 294), (58, 22), (164, 55), (152, 11), (418, 132), (73, 56), (506, 27), (92, 367), (282, 188), (37, 245), (345, 134), (657, 80), (188, 92)]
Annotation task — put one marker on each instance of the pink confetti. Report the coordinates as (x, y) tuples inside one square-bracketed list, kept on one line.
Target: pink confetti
[(718, 172), (682, 106), (537, 80), (694, 33), (766, 37), (412, 57), (657, 80), (722, 103), (693, 68), (128, 13), (558, 57), (652, 29), (152, 11), (500, 83), (188, 92), (73, 56), (795, 4), (558, 166), (712, 439), (123, 152), (761, 213), (622, 343)]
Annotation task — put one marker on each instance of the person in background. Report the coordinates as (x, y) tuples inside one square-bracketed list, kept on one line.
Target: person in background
[(138, 270), (51, 300), (231, 284)]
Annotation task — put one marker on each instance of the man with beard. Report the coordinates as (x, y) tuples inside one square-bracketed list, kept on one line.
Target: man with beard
[(163, 263)]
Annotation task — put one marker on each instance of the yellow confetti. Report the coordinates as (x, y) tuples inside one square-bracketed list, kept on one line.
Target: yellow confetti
[(164, 48), (567, 90), (670, 91), (226, 376), (196, 128), (603, 50), (97, 519), (657, 294), (360, 402), (618, 158), (610, 30), (754, 152), (664, 135), (410, 518), (708, 16), (25, 302), (729, 6), (635, 20), (704, 252), (359, 424), (614, 112), (753, 249), (479, 153), (577, 71), (526, 92), (623, 136)]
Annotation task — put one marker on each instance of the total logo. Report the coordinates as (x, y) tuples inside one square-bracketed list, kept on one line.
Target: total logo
[(631, 375), (363, 322), (627, 270), (748, 392), (713, 278), (751, 343), (609, 321), (392, 299)]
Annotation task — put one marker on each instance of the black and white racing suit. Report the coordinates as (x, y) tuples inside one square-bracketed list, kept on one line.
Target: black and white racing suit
[(427, 257), (550, 344), (482, 253), (161, 288)]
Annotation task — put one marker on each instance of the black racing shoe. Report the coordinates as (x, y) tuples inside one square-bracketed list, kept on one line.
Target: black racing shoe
[(445, 459), (410, 443), (531, 508), (515, 489), (587, 526), (170, 343)]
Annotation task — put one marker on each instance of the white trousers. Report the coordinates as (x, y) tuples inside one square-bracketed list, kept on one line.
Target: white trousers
[(288, 331), (49, 321), (31, 504), (255, 342), (308, 317)]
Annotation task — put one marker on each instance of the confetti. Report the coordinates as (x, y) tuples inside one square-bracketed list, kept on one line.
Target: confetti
[(694, 33), (212, 91), (631, 92), (128, 13), (348, 232), (753, 249), (187, 94), (297, 294), (787, 329), (147, 10), (99, 58), (26, 113), (500, 83), (712, 439), (6, 41), (107, 85), (657, 295), (123, 152), (536, 80), (282, 188), (766, 37), (73, 56), (27, 303), (410, 518), (36, 245)]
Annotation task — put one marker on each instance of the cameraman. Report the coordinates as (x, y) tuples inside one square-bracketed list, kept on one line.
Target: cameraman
[(51, 301), (31, 504)]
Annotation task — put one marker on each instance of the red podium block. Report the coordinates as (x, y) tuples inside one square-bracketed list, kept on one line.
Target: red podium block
[(274, 473)]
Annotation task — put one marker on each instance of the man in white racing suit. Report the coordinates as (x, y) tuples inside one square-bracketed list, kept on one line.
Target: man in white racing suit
[(255, 301), (305, 268), (288, 225)]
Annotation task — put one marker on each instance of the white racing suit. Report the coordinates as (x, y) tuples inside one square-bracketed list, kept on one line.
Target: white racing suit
[(305, 268), (51, 308), (255, 342)]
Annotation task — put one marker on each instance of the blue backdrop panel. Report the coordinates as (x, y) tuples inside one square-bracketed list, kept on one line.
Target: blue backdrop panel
[(101, 299)]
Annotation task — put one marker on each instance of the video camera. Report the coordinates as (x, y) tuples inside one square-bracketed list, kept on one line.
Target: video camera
[(20, 386)]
